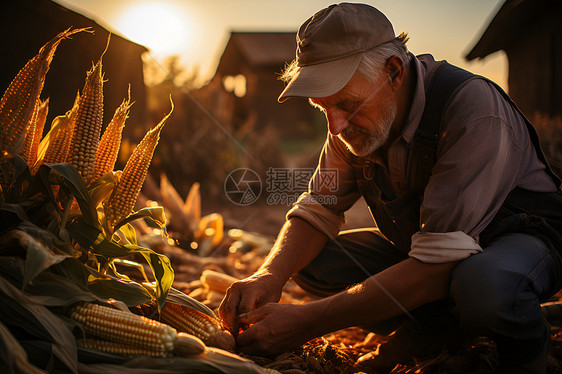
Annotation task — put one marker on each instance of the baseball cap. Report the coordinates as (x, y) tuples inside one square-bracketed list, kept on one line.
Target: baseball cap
[(330, 45)]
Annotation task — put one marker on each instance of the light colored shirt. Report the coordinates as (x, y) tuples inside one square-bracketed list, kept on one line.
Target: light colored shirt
[(483, 153)]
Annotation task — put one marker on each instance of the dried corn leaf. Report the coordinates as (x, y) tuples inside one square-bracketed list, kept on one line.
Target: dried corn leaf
[(12, 356), (175, 205), (18, 310)]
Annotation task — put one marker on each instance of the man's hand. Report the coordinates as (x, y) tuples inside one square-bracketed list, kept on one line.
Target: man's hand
[(248, 294), (276, 328)]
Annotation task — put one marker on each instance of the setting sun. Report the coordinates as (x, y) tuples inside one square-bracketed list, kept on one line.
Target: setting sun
[(159, 26)]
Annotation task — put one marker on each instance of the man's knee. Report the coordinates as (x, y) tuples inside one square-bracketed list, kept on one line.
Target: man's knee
[(501, 288), (480, 294)]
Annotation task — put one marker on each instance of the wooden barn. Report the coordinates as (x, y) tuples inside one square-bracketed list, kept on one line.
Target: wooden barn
[(27, 24), (530, 33), (249, 68)]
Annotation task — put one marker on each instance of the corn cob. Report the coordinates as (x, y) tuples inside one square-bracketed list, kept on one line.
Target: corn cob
[(125, 328), (185, 345), (186, 319), (18, 102), (35, 132), (125, 193), (29, 133), (54, 147), (119, 348), (215, 281), (108, 148), (88, 124)]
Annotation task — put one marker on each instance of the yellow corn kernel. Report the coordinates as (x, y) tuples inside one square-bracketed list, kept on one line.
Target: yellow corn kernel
[(18, 102), (191, 321), (119, 348), (108, 148), (35, 132), (125, 328), (215, 281), (88, 124), (124, 195)]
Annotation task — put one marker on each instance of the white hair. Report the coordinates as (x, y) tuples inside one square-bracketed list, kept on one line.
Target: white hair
[(372, 64)]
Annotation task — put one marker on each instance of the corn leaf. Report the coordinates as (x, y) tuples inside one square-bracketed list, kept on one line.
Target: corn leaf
[(129, 233), (130, 293), (13, 357), (156, 214), (101, 189), (16, 171), (39, 256), (93, 239), (178, 297), (72, 181), (18, 311), (48, 288), (161, 268), (11, 214), (213, 361), (56, 126)]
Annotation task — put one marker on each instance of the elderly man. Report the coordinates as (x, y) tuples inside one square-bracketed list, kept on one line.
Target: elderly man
[(464, 202)]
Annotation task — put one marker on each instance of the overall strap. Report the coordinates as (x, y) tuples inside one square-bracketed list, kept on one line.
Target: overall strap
[(445, 80)]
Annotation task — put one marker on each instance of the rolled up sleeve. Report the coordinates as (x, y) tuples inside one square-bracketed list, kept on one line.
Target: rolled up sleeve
[(438, 247)]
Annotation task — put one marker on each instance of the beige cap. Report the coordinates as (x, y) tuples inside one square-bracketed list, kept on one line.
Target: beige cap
[(330, 45)]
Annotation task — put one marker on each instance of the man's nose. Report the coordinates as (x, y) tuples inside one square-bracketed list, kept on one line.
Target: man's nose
[(337, 122)]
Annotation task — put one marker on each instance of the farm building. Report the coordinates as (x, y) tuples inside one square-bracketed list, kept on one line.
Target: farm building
[(250, 67), (530, 33), (28, 24)]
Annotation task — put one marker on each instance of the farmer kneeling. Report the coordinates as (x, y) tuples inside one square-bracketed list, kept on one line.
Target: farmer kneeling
[(465, 204)]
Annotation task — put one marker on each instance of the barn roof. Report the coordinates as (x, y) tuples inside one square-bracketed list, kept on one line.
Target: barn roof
[(514, 18), (257, 49)]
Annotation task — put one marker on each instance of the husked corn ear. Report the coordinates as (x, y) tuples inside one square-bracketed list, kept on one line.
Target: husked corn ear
[(119, 348), (54, 147), (35, 132), (88, 124), (126, 328), (29, 133), (186, 319), (108, 148), (125, 193), (187, 345), (18, 102), (215, 281)]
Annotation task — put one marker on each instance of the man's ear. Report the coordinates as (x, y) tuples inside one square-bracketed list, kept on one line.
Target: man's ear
[(395, 69)]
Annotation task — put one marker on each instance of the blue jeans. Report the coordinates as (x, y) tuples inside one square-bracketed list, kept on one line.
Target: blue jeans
[(495, 293)]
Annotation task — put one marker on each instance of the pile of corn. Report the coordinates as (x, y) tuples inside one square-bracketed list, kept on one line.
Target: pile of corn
[(76, 138), (183, 332)]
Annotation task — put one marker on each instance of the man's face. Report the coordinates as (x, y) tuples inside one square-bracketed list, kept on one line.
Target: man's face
[(360, 114)]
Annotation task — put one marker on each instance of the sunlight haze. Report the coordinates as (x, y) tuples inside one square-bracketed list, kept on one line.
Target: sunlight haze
[(198, 31)]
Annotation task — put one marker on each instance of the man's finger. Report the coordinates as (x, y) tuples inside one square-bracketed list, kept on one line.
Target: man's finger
[(252, 316), (228, 311)]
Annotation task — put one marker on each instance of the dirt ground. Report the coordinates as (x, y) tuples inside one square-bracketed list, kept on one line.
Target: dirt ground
[(338, 352)]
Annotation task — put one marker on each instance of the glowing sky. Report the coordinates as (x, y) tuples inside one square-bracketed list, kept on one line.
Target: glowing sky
[(198, 30)]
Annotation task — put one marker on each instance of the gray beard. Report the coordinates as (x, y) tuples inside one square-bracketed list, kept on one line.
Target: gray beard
[(368, 142)]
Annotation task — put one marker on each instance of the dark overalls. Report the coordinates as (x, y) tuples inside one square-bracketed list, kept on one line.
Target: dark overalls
[(496, 292)]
